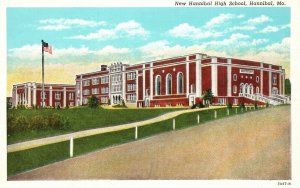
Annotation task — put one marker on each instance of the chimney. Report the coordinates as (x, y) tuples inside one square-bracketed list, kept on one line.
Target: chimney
[(103, 68)]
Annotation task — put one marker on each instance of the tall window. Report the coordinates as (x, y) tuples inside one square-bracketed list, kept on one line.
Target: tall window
[(169, 84), (257, 89), (180, 83), (157, 85), (234, 89)]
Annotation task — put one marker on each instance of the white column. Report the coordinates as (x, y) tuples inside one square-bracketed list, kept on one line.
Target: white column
[(124, 86), (65, 97), (137, 85), (198, 75), (50, 96), (81, 90), (270, 80), (16, 96), (280, 83), (34, 94), (29, 95), (25, 94), (144, 84), (151, 81), (214, 76), (283, 82), (261, 79), (187, 77), (229, 76)]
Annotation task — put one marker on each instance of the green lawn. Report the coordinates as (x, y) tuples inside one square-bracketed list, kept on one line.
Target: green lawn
[(83, 118), (28, 159)]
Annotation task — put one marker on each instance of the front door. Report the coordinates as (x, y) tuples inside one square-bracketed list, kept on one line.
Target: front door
[(191, 100)]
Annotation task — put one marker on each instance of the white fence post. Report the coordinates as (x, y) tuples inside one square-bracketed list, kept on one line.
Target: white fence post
[(173, 123), (227, 112), (71, 146), (198, 118), (215, 114), (246, 109), (236, 110), (136, 133)]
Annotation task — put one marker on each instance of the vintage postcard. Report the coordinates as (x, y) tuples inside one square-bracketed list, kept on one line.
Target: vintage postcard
[(178, 90)]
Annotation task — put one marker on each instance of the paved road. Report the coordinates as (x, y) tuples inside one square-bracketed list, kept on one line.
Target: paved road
[(255, 145)]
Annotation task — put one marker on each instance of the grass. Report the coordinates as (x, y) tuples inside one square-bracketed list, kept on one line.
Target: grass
[(29, 159), (83, 118)]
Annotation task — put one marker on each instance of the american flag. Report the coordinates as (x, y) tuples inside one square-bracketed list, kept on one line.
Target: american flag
[(47, 48)]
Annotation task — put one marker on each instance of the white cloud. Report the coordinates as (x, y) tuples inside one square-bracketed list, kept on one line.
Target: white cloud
[(216, 21), (273, 29), (125, 29), (259, 20), (112, 50), (236, 38), (185, 30), (242, 28), (282, 47), (61, 23)]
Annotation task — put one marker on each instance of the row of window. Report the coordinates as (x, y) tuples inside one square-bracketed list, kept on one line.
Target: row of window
[(95, 91), (116, 78), (131, 75), (131, 87), (131, 97), (274, 78), (169, 84), (104, 90), (58, 95), (116, 88)]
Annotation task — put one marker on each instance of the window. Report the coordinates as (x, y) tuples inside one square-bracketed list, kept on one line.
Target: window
[(221, 100), (234, 77), (95, 81), (86, 92), (180, 83), (235, 101), (169, 84), (104, 90), (85, 100), (104, 99), (234, 89), (57, 95), (257, 89), (104, 79), (131, 87), (131, 97), (157, 85), (131, 76), (274, 79), (42, 95), (257, 79), (95, 91), (86, 82), (71, 96)]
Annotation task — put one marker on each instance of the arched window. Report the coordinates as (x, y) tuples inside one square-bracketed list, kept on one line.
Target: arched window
[(241, 88), (157, 85), (234, 77), (234, 89), (257, 89), (169, 84), (180, 83)]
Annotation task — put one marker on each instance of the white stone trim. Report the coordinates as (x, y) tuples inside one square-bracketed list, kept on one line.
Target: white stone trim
[(187, 76), (198, 76), (50, 96), (151, 81), (214, 76), (261, 79), (29, 95), (270, 81), (144, 84), (34, 95), (137, 85), (229, 76), (124, 86), (65, 97), (283, 83)]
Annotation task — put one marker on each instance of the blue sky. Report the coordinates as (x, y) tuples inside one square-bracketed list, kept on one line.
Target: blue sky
[(83, 38)]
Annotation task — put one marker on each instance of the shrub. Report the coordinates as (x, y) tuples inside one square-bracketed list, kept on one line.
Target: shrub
[(37, 122), (194, 106), (56, 121), (200, 105), (267, 105), (229, 105), (255, 106), (242, 106)]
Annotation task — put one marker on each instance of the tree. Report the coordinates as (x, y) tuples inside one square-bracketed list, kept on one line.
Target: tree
[(93, 102), (287, 88), (8, 103), (208, 96)]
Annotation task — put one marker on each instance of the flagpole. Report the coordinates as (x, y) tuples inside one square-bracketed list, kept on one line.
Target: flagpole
[(43, 86)]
